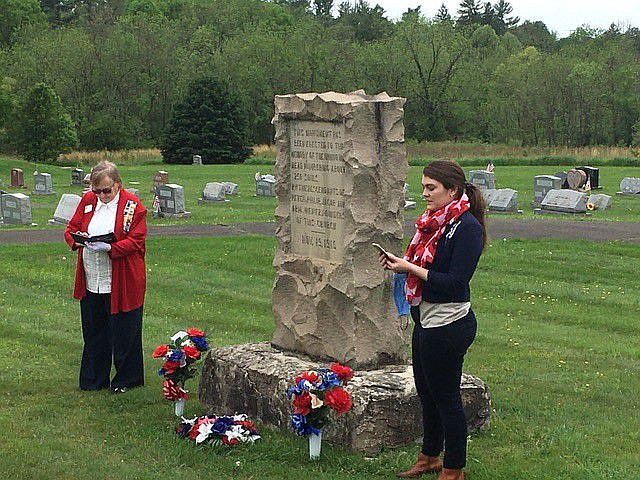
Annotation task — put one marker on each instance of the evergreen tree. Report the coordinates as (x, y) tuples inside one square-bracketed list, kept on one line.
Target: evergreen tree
[(469, 12), (208, 122), (501, 21), (443, 15), (322, 8), (42, 129)]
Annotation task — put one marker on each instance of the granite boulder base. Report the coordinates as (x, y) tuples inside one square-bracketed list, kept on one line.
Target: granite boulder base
[(386, 409)]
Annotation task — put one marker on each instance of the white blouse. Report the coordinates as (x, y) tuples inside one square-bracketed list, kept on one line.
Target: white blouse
[(97, 265)]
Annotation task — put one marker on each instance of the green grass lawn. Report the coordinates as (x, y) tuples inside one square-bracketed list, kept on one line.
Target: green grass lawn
[(557, 344), (246, 207)]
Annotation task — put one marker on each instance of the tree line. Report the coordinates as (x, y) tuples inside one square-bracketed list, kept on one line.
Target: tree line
[(480, 73)]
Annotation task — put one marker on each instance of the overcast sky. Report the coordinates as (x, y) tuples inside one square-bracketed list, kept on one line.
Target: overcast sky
[(561, 16)]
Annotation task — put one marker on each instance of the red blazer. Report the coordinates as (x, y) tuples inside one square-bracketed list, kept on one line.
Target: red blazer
[(128, 271)]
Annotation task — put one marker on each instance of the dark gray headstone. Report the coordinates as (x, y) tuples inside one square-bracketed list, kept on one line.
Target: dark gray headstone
[(266, 186), (16, 208), (630, 185), (171, 198), (542, 184), (565, 200), (482, 178), (504, 200), (594, 175), (77, 174)]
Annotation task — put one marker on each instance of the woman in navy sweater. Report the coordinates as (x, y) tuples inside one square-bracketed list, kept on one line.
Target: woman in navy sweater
[(439, 262)]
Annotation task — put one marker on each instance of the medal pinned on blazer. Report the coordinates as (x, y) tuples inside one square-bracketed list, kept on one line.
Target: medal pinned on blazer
[(129, 209)]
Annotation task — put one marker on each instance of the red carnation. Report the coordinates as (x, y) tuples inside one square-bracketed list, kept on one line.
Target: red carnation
[(194, 332), (170, 367), (248, 424), (161, 351), (302, 403), (191, 352), (338, 399), (226, 440), (310, 376), (343, 372)]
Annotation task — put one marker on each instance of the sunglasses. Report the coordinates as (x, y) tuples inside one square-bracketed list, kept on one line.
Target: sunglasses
[(106, 191)]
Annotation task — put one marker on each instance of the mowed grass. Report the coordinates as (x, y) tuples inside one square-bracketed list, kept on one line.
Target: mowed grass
[(558, 345), (246, 207)]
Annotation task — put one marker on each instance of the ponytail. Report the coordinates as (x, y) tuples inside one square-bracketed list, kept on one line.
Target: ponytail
[(478, 207)]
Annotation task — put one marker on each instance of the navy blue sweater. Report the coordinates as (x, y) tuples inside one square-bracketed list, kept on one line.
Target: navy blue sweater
[(456, 258)]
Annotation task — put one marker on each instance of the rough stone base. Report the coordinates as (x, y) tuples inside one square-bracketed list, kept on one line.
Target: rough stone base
[(172, 215), (253, 379)]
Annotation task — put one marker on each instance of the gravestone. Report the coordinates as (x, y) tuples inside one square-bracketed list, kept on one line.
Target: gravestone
[(77, 174), (266, 186), (16, 209), (230, 188), (504, 200), (562, 176), (65, 209), (197, 160), (578, 180), (171, 201), (564, 201), (630, 186), (594, 176), (133, 191), (599, 201), (17, 178), (482, 178), (213, 192), (341, 166), (487, 195), (86, 181), (159, 178), (43, 184), (541, 186)]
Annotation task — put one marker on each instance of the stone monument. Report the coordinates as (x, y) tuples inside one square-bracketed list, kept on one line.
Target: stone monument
[(65, 209), (504, 200), (563, 201), (17, 178), (593, 174), (159, 178), (43, 184), (197, 160), (77, 175), (541, 186), (16, 208), (341, 168), (629, 186), (213, 192), (266, 186), (599, 201), (230, 188), (171, 200), (133, 191), (482, 178), (578, 180)]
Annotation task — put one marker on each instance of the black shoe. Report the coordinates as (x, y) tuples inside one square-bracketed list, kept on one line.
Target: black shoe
[(119, 390)]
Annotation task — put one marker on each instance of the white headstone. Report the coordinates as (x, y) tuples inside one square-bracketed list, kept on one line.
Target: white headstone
[(600, 201), (66, 208), (197, 160), (213, 192), (487, 195), (565, 200), (482, 178), (630, 185), (230, 188), (504, 200), (16, 208)]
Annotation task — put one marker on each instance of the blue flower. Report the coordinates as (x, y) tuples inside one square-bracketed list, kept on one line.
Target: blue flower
[(329, 380), (222, 424), (161, 372), (200, 343), (176, 355), (183, 429), (301, 426), (298, 388)]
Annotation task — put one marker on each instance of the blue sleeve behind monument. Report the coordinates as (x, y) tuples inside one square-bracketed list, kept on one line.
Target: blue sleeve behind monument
[(402, 305)]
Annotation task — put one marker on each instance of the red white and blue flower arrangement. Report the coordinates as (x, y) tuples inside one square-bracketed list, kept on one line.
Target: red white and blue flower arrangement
[(314, 394), (219, 430), (180, 357)]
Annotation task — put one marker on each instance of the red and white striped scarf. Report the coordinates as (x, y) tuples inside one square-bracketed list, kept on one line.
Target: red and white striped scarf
[(421, 250)]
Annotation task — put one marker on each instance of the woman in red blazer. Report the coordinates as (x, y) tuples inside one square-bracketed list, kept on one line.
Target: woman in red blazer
[(110, 281)]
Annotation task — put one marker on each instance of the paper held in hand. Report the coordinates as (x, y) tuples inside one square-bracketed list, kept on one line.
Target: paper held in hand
[(381, 250)]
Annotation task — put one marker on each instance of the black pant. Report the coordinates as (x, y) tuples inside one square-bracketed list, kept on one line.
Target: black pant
[(110, 337), (437, 355)]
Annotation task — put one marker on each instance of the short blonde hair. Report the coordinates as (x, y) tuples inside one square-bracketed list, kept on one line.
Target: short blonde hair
[(105, 169)]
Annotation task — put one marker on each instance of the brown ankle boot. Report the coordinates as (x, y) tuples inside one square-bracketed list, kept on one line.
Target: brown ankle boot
[(451, 474), (424, 465)]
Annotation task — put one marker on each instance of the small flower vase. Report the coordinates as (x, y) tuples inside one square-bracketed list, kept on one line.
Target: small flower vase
[(315, 443), (179, 406)]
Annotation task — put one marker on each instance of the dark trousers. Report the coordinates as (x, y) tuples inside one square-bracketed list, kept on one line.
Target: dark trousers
[(437, 355), (110, 338)]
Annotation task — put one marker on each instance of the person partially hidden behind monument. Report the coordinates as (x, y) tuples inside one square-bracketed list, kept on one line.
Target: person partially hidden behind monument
[(110, 280), (439, 263)]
